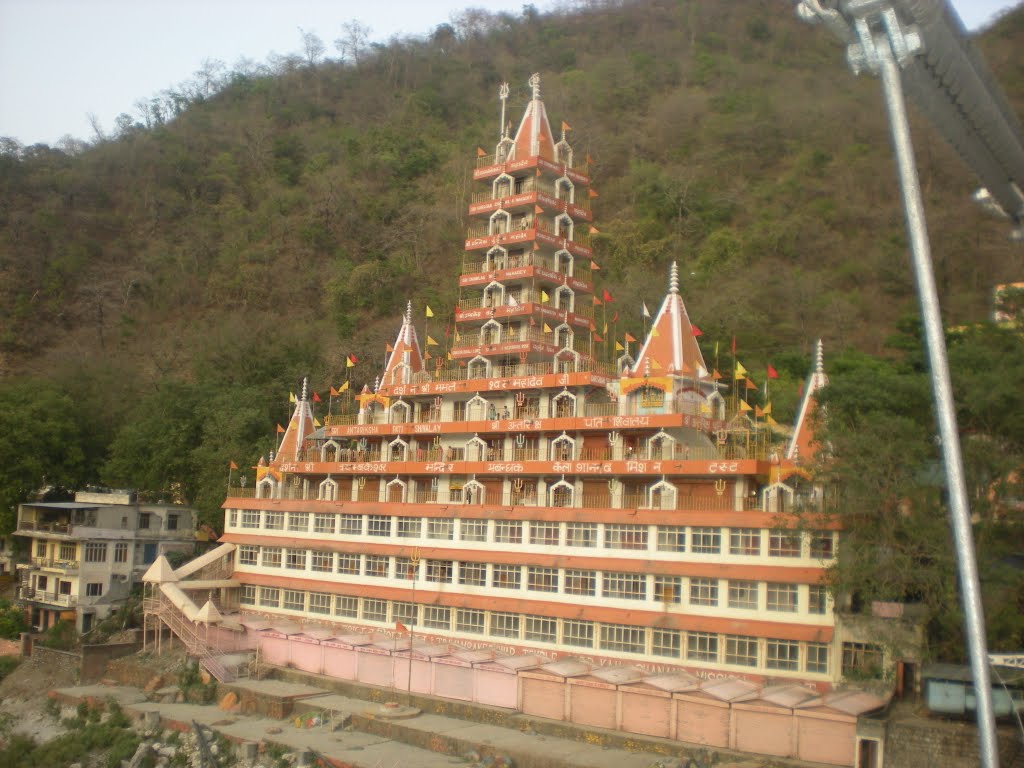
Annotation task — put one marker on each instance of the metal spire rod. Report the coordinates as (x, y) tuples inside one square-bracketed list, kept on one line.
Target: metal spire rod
[(879, 43)]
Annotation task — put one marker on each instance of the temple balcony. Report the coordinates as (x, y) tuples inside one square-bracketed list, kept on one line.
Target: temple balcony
[(517, 267), (490, 166), (485, 203), (482, 308), (481, 236)]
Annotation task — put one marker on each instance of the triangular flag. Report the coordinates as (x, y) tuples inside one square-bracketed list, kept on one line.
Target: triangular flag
[(590, 160), (597, 302), (291, 397), (619, 347), (594, 230), (598, 337), (232, 465), (544, 296), (316, 423), (740, 370), (457, 336), (426, 355), (770, 420), (655, 333), (767, 408), (605, 331), (630, 337), (399, 626), (431, 342), (280, 429), (615, 317), (538, 210), (594, 265), (696, 331), (349, 363), (745, 406), (772, 373), (388, 348), (716, 375), (430, 312), (449, 355), (606, 297), (751, 385), (343, 388), (646, 312), (566, 126), (592, 193), (758, 412), (480, 152), (702, 372), (547, 328), (334, 392), (655, 365), (316, 398)]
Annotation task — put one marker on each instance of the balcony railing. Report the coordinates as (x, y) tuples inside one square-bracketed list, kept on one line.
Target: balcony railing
[(51, 562), (51, 598), (527, 296), (485, 229), (494, 158), (43, 526), (473, 266)]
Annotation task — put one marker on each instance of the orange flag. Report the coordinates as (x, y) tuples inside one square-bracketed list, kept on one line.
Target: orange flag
[(630, 337), (280, 429), (232, 465), (480, 152)]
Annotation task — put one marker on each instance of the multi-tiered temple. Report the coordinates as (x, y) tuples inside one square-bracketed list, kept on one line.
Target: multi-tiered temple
[(525, 487)]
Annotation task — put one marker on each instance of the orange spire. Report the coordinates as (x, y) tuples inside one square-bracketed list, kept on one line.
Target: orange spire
[(300, 426), (534, 135), (803, 445), (671, 340), (405, 353)]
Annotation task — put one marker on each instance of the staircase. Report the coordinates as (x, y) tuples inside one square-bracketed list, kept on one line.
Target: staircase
[(189, 634)]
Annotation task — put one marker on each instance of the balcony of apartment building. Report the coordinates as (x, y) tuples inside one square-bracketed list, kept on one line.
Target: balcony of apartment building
[(57, 520)]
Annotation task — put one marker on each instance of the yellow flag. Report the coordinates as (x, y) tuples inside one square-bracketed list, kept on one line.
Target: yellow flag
[(291, 397), (349, 363), (745, 406), (457, 336), (430, 312), (654, 333), (316, 423), (619, 347), (544, 297), (770, 420), (655, 365), (605, 331), (343, 388), (740, 370), (449, 355), (547, 328), (767, 408), (431, 342)]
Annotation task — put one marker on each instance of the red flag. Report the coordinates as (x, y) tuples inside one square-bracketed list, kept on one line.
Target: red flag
[(401, 627), (772, 373), (696, 331), (316, 398), (233, 465), (615, 317), (597, 337), (607, 297), (353, 359)]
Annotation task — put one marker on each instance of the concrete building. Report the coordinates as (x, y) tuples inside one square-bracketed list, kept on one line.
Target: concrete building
[(82, 557)]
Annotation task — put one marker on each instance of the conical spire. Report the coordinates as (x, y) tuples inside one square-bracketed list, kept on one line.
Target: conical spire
[(299, 426), (534, 134), (671, 342), (405, 352), (803, 444)]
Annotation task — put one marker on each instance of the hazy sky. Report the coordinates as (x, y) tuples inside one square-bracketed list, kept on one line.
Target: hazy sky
[(63, 59)]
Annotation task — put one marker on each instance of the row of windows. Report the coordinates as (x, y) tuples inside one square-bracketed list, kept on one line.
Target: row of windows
[(705, 647), (663, 538), (731, 593)]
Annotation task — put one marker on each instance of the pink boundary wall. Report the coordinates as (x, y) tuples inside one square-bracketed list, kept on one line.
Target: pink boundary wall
[(819, 734)]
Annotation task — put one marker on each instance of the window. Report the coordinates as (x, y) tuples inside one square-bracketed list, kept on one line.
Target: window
[(504, 625), (273, 521), (782, 597), (671, 538), (626, 639), (68, 551), (319, 602), (232, 519), (270, 557), (437, 617), (783, 544), (172, 522), (706, 541), (439, 571), (346, 606), (95, 552), (323, 523), (348, 564), (817, 658), (295, 559), (298, 521), (822, 545), (544, 534), (294, 600), (578, 633), (121, 552), (473, 574), (375, 610), (351, 525), (539, 629), (703, 591), (628, 586), (144, 520), (404, 569), (376, 566), (668, 589), (745, 541), (473, 530), (322, 561), (441, 528), (379, 525), (743, 594), (862, 659), (250, 518), (248, 554), (407, 613), (469, 620), (508, 531), (625, 536), (817, 599), (542, 579), (741, 650), (580, 583), (247, 595), (666, 642), (270, 597), (782, 654), (506, 576), (581, 534), (408, 527), (40, 549), (94, 589)]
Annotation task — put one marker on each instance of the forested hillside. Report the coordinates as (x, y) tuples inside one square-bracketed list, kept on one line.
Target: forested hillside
[(163, 287)]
